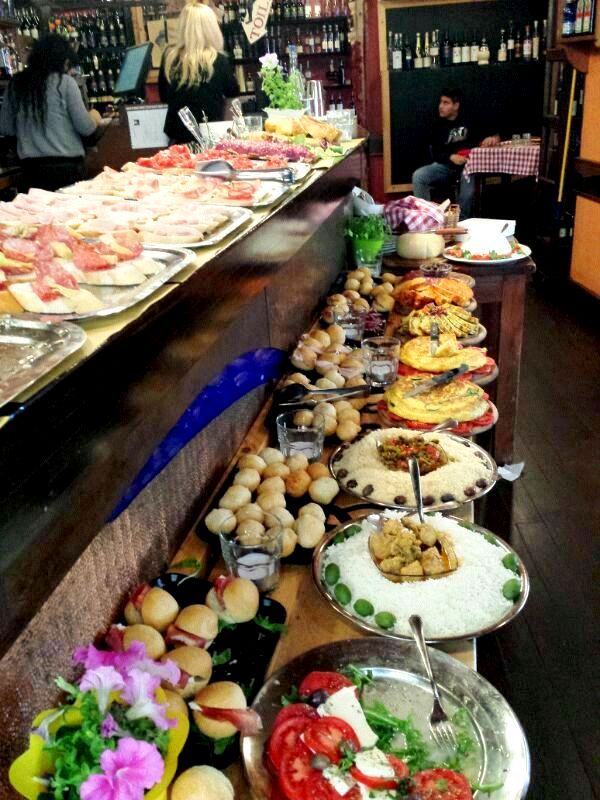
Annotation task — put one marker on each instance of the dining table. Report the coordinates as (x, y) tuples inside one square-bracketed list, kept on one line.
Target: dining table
[(508, 160)]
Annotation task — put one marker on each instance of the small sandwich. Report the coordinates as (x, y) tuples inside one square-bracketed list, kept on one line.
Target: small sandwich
[(195, 666), (149, 637), (151, 606), (417, 359), (195, 626), (220, 710), (202, 783), (233, 599), (461, 400)]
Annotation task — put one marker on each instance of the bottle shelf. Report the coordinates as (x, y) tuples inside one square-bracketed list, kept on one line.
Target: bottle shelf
[(251, 60), (577, 38), (229, 27), (493, 64)]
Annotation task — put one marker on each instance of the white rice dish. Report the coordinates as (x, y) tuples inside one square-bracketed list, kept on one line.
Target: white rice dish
[(456, 480), (467, 600)]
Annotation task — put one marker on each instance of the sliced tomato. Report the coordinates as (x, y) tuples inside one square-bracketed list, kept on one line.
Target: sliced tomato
[(330, 682), (295, 710), (285, 737), (319, 788), (400, 770), (440, 784), (295, 771), (326, 735)]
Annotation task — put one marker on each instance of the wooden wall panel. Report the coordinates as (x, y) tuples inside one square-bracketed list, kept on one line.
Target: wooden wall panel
[(585, 260)]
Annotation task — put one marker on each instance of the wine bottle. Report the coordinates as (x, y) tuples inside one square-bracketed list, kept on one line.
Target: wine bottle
[(518, 46), (465, 50), (502, 47), (390, 50), (535, 42), (397, 52), (426, 52), (435, 49), (408, 56), (456, 51), (510, 44), (483, 57), (474, 49), (527, 44), (418, 53), (446, 51)]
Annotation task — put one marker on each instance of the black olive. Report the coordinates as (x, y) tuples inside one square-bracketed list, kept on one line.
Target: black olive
[(400, 499), (369, 489), (352, 484), (317, 698), (447, 498), (466, 444), (342, 473), (482, 483), (428, 500), (470, 491)]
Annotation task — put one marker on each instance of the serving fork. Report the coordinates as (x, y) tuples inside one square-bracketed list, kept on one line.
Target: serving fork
[(439, 723)]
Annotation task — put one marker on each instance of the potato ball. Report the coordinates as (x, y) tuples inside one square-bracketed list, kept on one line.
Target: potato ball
[(314, 344), (347, 430), (289, 539), (335, 377), (337, 334), (318, 470), (352, 283), (341, 405), (298, 461), (309, 530), (349, 415), (304, 417), (303, 358), (247, 477), (323, 337), (329, 424), (351, 294), (312, 510), (299, 377), (235, 497), (220, 520), (323, 490), (335, 299), (276, 470), (325, 410), (271, 455), (271, 500), (278, 516), (389, 277), (249, 511), (250, 461), (275, 484), (250, 526), (325, 383), (361, 305), (387, 287), (297, 483)]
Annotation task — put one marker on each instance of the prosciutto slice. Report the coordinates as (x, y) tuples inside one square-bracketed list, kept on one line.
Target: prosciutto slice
[(175, 635), (246, 720)]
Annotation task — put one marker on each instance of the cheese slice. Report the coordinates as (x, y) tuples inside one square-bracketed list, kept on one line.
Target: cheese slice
[(374, 764), (127, 273), (344, 705)]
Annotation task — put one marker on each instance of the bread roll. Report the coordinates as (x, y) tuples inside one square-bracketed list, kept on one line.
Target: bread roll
[(250, 478), (323, 490), (276, 470), (250, 461), (298, 461), (297, 483), (149, 637), (220, 520), (349, 415), (335, 377), (278, 516), (159, 609), (202, 783), (198, 665), (271, 455), (235, 497), (347, 430), (318, 470), (268, 501), (309, 530), (325, 409), (198, 620), (312, 510), (328, 423), (250, 511), (288, 542), (250, 527), (325, 383), (222, 694), (337, 334), (385, 302), (132, 614), (352, 283), (323, 337), (299, 377), (238, 602), (304, 417)]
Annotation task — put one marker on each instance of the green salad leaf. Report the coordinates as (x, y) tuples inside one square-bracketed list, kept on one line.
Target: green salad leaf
[(267, 625), (224, 657), (360, 678), (387, 727), (293, 696)]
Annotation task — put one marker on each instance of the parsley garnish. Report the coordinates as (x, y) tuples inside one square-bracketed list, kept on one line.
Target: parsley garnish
[(347, 760), (267, 625), (187, 563)]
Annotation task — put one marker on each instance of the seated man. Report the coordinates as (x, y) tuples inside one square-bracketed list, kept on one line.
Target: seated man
[(451, 132)]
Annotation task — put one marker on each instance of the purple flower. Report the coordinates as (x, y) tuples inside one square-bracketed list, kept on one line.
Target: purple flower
[(102, 681), (135, 656), (108, 727), (139, 692), (126, 772)]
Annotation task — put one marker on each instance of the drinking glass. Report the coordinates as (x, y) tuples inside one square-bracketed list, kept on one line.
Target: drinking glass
[(353, 323), (380, 357), (254, 123), (365, 257), (526, 138), (258, 562), (452, 216), (297, 439), (516, 138)]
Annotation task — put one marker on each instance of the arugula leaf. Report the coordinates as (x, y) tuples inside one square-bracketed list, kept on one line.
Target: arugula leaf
[(359, 677), (486, 788), (347, 760), (188, 563), (267, 625), (223, 657), (387, 727), (465, 744), (293, 696)]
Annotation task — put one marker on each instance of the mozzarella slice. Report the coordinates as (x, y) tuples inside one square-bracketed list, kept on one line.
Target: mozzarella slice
[(342, 783), (374, 764), (344, 704)]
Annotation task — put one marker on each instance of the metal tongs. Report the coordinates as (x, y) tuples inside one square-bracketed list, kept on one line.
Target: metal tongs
[(191, 123), (221, 168), (296, 394)]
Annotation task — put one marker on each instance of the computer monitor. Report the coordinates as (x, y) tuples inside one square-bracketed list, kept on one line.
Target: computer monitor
[(134, 70)]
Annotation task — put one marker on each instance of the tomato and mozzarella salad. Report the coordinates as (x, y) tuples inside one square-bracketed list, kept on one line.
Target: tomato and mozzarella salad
[(323, 748)]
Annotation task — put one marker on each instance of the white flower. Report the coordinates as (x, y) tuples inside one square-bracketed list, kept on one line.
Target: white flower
[(270, 60)]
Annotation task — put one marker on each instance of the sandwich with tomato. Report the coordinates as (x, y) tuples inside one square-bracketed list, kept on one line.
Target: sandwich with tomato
[(461, 400), (419, 359), (324, 747)]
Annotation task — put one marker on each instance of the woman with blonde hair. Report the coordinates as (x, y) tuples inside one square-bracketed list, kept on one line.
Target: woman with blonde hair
[(195, 72)]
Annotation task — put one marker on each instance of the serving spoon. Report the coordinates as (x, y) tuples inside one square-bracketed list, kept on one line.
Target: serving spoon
[(415, 476), (221, 168)]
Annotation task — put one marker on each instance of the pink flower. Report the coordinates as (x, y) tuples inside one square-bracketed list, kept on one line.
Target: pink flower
[(135, 656), (108, 726), (139, 694), (126, 772), (102, 681)]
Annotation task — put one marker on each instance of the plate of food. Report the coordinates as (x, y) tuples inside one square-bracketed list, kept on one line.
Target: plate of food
[(379, 569), (449, 319), (374, 468), (350, 719), (421, 290), (419, 359), (461, 400), (470, 253)]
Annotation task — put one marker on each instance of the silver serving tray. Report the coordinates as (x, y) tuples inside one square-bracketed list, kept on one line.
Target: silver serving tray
[(120, 298), (401, 684), (369, 627), (30, 349), (274, 191), (238, 217), (484, 455)]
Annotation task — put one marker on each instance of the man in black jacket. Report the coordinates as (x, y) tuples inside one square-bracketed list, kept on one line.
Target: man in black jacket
[(452, 132)]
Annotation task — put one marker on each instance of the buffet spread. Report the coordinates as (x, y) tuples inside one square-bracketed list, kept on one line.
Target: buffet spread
[(162, 704)]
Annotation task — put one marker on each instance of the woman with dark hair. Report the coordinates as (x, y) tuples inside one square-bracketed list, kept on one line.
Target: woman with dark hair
[(44, 110)]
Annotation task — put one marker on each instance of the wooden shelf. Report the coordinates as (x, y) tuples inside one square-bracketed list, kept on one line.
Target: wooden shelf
[(579, 38)]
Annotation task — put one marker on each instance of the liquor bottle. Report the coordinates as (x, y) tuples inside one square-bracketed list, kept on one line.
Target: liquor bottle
[(308, 72), (339, 102), (103, 32), (465, 50), (330, 44), (502, 51), (579, 11), (588, 17), (238, 52), (286, 11), (337, 47), (110, 81), (418, 53), (293, 10), (300, 12), (569, 15), (112, 33), (331, 73), (397, 52), (544, 38), (311, 41), (341, 73), (518, 46), (317, 9), (456, 51), (249, 82), (34, 27), (318, 43), (390, 50), (446, 51), (535, 42), (426, 52), (527, 44), (435, 49), (307, 10), (408, 60), (324, 40), (483, 57), (474, 48), (299, 42), (510, 44)]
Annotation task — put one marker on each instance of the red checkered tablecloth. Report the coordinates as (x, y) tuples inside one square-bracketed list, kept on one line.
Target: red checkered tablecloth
[(510, 158)]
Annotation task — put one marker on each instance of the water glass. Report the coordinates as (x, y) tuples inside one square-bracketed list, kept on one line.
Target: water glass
[(259, 563), (526, 138), (254, 123), (353, 323), (516, 138), (297, 439), (364, 257), (452, 216), (380, 357)]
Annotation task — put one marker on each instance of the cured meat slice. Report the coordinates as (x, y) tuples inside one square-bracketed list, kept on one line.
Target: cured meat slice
[(19, 249), (246, 720), (88, 259)]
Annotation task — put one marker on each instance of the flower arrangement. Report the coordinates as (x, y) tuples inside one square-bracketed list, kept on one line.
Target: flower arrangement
[(282, 92), (113, 738)]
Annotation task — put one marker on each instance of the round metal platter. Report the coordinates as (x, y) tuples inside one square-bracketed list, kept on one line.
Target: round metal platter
[(483, 454), (477, 338), (526, 252), (502, 753), (389, 422), (370, 627)]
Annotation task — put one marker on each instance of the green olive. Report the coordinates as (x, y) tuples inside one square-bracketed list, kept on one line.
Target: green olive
[(332, 574), (342, 594), (512, 589), (363, 608), (385, 620)]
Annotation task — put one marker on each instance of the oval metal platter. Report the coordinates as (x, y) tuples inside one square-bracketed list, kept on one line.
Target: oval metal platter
[(371, 627), (502, 755), (483, 454)]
